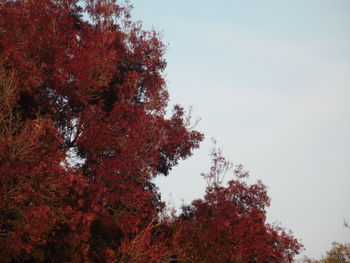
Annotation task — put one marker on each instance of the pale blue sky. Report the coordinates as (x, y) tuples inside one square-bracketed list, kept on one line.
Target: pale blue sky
[(271, 82)]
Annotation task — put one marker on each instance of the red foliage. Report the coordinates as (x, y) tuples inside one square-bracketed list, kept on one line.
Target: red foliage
[(228, 225), (86, 80)]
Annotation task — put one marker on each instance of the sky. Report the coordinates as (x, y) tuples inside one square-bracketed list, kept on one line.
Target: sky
[(270, 81)]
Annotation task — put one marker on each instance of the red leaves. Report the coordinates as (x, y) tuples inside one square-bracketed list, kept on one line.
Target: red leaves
[(230, 222), (94, 88)]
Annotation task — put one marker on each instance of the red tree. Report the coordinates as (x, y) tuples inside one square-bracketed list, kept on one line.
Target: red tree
[(92, 86), (228, 225), (83, 79)]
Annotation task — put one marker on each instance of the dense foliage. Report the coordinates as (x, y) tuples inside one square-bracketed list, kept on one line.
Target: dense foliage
[(80, 79)]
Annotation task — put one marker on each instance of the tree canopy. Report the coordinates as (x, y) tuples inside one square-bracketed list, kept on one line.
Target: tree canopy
[(81, 79)]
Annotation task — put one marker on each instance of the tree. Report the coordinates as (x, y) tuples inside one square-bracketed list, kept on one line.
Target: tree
[(92, 86), (228, 225), (82, 79), (339, 253)]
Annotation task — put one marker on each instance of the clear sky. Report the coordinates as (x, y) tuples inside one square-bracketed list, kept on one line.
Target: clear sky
[(270, 80)]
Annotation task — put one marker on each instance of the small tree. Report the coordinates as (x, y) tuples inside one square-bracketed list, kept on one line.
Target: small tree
[(228, 224), (339, 253)]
